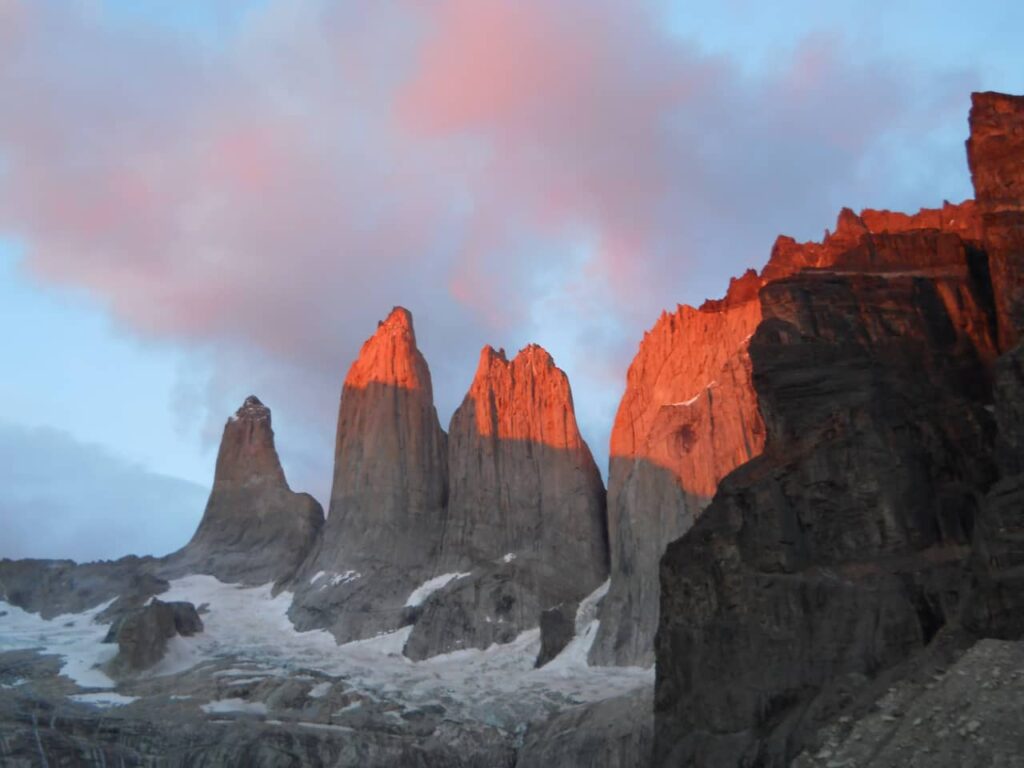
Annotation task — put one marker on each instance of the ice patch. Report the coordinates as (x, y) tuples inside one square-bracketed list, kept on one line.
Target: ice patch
[(319, 690), (691, 401), (430, 586), (235, 705), (388, 643), (105, 699)]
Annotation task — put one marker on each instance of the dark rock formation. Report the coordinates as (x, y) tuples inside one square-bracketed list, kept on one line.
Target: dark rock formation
[(254, 529), (557, 629), (383, 532), (613, 733), (142, 635), (690, 413), (489, 605), (841, 551), (994, 604), (525, 512), (965, 715)]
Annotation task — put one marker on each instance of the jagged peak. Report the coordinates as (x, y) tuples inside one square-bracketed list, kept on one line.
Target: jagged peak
[(534, 354), (390, 356), (252, 409), (398, 319)]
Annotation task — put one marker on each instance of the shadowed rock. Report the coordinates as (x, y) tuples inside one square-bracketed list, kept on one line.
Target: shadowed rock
[(557, 629), (142, 634), (525, 514), (383, 533), (690, 413), (255, 528), (841, 552)]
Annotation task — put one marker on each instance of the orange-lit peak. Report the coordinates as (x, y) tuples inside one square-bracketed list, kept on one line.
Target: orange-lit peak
[(399, 320), (534, 355), (526, 398), (390, 356)]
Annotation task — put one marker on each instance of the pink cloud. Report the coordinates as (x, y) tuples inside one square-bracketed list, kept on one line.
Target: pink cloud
[(554, 172)]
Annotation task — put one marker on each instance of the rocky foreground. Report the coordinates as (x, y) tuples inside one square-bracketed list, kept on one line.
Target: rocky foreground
[(813, 530)]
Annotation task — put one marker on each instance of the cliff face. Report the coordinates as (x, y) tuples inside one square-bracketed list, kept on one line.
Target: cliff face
[(690, 413), (872, 522), (254, 529), (525, 513), (383, 532), (995, 152), (522, 479)]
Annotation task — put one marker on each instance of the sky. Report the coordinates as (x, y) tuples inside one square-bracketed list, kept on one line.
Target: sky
[(200, 201)]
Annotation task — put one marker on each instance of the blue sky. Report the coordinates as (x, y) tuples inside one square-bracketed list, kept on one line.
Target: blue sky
[(203, 200)]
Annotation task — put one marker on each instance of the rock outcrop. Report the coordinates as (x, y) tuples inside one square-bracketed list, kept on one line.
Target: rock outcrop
[(966, 715), (142, 635), (690, 413), (255, 528), (54, 587), (525, 513), (383, 532), (841, 551), (614, 733), (995, 152)]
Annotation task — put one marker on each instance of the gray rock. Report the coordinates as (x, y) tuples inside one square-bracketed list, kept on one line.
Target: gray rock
[(969, 715), (142, 635), (525, 512), (383, 533), (255, 528), (557, 629), (53, 587), (614, 733), (839, 552)]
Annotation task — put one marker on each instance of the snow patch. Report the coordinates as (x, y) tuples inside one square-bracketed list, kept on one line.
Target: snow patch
[(247, 632), (105, 699), (76, 637), (509, 557), (574, 656), (319, 690), (235, 705), (341, 578), (430, 586), (317, 575)]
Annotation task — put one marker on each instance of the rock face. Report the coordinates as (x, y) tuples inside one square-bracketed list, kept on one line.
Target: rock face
[(142, 635), (53, 587), (614, 733), (383, 532), (522, 479), (995, 152), (255, 528), (557, 629), (525, 512), (867, 525), (964, 716), (690, 413)]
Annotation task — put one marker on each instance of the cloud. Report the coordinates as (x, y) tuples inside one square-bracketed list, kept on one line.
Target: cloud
[(60, 498), (554, 172)]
